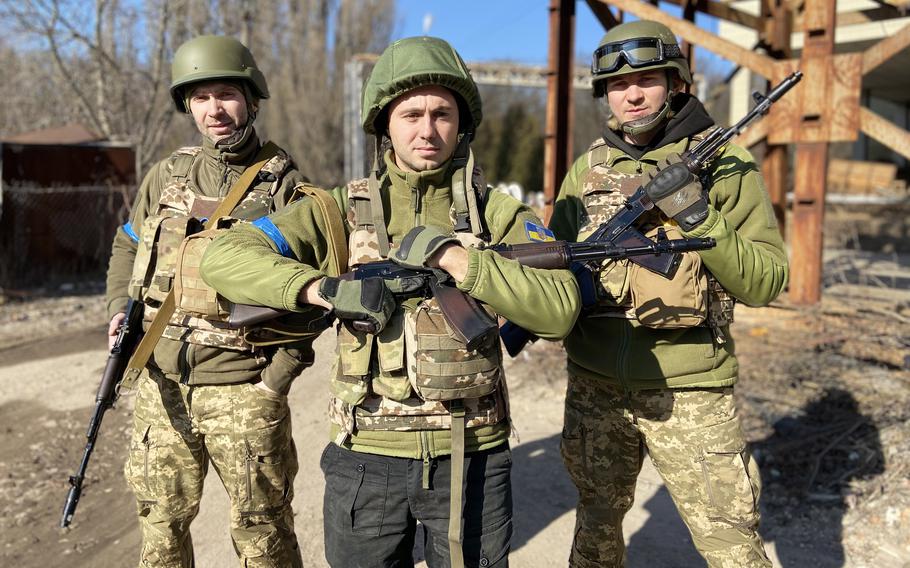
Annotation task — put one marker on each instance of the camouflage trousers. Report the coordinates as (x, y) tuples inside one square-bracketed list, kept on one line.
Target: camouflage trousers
[(695, 442), (246, 433)]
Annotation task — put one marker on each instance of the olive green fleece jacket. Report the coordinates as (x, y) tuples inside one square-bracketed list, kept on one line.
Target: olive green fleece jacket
[(749, 261), (213, 173), (244, 266)]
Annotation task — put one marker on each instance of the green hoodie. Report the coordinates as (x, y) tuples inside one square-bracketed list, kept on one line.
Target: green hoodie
[(749, 261), (244, 265), (213, 173)]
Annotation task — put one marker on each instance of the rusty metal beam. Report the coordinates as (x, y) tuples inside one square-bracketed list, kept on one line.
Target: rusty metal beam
[(558, 137), (886, 132), (811, 157), (886, 49), (603, 14), (691, 33)]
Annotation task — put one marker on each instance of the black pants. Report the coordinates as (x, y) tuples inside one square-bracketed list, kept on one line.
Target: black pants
[(373, 503)]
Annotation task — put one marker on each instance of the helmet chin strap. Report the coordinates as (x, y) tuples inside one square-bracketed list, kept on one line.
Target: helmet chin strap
[(647, 123)]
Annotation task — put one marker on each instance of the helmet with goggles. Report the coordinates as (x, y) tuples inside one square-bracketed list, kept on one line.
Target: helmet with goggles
[(635, 46)]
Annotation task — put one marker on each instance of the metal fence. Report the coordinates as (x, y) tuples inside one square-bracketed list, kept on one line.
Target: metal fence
[(58, 235)]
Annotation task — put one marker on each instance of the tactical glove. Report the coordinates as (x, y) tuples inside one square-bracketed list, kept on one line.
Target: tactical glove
[(419, 245), (682, 197), (368, 300)]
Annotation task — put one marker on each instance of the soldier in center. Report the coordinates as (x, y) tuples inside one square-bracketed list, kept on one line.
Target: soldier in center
[(410, 400)]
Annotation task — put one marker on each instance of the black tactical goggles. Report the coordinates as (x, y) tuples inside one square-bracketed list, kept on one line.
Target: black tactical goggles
[(639, 52)]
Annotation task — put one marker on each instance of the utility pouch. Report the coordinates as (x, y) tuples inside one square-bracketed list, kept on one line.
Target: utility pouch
[(352, 372), (391, 380), (440, 366), (191, 293), (679, 302), (156, 257)]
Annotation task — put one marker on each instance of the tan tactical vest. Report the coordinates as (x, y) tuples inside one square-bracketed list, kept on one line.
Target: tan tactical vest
[(691, 298), (407, 376), (166, 257)]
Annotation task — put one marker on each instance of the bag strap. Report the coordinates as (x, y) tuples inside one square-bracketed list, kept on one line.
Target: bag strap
[(337, 241), (148, 342)]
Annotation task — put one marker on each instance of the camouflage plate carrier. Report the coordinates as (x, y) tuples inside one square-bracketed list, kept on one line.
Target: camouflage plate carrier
[(171, 246), (409, 376), (626, 290)]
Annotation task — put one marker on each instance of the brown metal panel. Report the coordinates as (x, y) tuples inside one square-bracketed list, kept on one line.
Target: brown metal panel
[(885, 132), (558, 137), (886, 49), (691, 33), (808, 218)]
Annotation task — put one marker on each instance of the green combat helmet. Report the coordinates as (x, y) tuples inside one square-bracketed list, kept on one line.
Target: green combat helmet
[(212, 58), (636, 46), (418, 62)]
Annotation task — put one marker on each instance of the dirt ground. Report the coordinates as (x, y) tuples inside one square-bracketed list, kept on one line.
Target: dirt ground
[(824, 394)]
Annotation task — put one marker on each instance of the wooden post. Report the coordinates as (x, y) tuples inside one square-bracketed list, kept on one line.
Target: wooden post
[(776, 34), (558, 137), (812, 157), (687, 48)]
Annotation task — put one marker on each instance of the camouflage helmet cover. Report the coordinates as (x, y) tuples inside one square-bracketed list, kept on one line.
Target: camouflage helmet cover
[(210, 58), (663, 54), (416, 62)]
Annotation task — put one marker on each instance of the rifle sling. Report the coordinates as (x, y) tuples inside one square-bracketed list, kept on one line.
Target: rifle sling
[(147, 345), (337, 242), (456, 485)]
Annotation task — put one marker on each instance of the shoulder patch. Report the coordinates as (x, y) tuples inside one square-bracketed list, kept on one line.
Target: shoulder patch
[(538, 233)]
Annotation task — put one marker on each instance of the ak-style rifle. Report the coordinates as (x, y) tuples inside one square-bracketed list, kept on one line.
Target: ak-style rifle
[(128, 335)]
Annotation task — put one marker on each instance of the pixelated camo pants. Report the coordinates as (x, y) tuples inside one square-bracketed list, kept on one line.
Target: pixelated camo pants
[(694, 440), (246, 433)]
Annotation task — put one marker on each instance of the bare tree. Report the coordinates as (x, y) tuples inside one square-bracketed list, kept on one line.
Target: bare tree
[(116, 76), (106, 64)]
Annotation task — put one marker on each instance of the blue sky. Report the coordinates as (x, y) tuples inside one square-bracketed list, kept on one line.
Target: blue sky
[(513, 30)]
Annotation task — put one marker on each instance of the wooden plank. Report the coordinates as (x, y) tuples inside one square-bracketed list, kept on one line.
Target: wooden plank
[(808, 218), (886, 49), (752, 135), (603, 14), (691, 33), (775, 165), (774, 169), (885, 132), (722, 11), (859, 177)]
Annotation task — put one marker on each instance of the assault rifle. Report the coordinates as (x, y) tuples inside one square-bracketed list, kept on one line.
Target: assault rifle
[(128, 336), (620, 230), (469, 321)]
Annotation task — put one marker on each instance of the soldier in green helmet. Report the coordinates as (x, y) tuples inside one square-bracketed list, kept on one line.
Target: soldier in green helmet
[(420, 422), (208, 395), (651, 361)]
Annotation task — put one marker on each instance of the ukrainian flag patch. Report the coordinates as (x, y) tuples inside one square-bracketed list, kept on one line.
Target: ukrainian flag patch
[(538, 233)]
